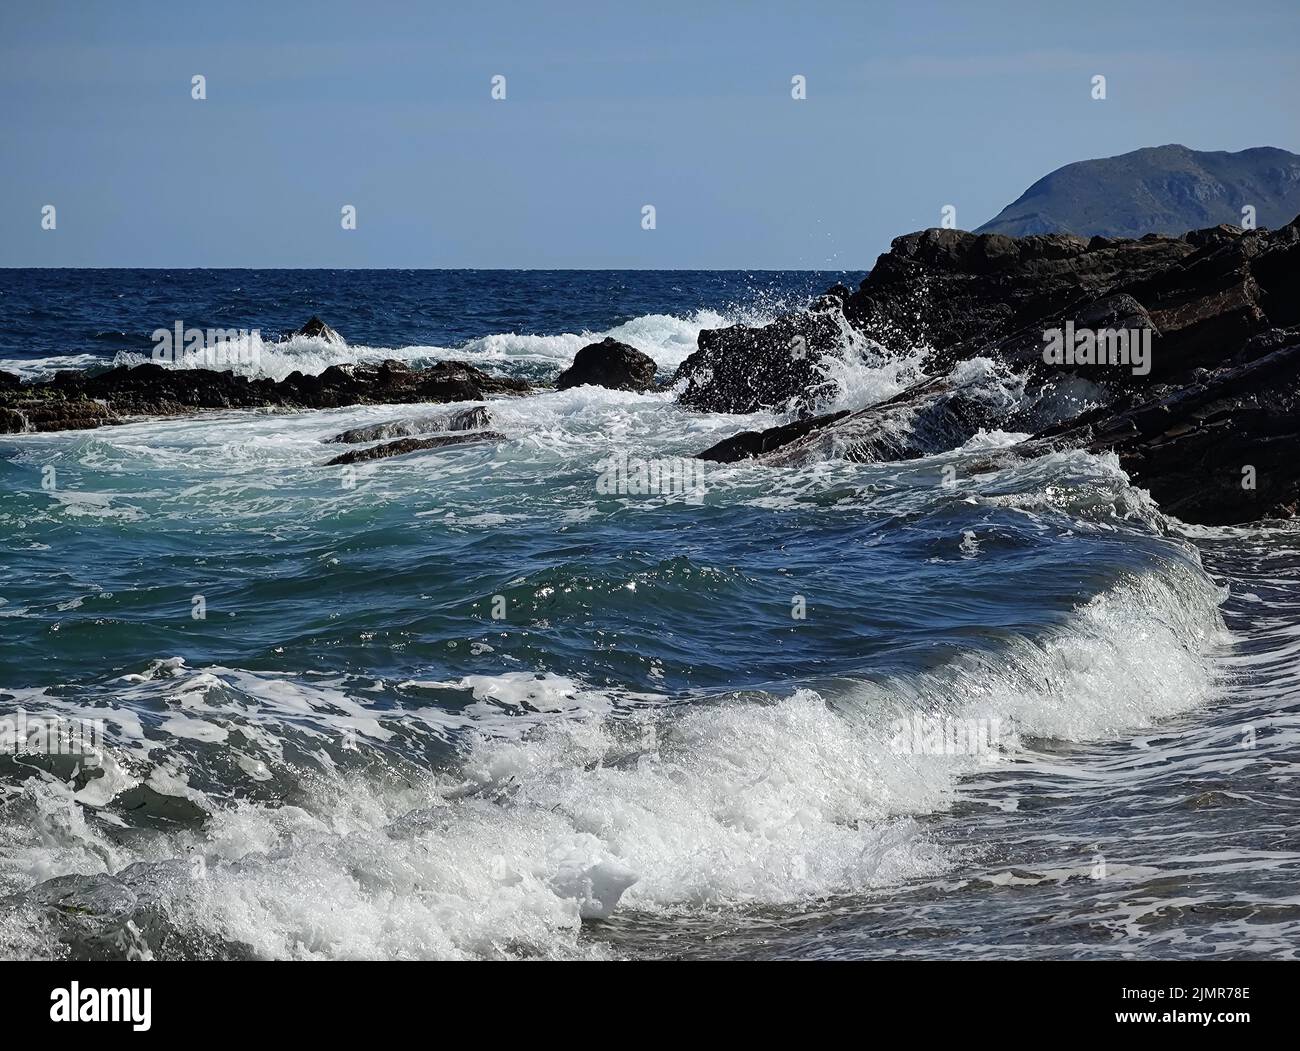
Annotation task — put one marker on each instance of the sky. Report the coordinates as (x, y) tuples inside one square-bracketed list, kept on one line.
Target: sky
[(609, 107)]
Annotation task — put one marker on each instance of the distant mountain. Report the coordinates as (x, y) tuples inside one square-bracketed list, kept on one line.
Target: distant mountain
[(1160, 189)]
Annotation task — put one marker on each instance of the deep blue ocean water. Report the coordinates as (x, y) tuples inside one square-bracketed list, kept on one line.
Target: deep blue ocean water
[(476, 703), (48, 313)]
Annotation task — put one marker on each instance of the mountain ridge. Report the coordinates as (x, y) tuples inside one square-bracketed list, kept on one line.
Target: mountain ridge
[(1167, 189)]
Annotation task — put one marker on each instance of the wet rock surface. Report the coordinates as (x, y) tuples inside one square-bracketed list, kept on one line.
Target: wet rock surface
[(411, 445), (411, 426), (74, 400), (1194, 380), (317, 329), (610, 364), (743, 369)]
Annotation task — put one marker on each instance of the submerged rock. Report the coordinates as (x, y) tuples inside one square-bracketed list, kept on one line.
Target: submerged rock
[(464, 420), (410, 445), (611, 364)]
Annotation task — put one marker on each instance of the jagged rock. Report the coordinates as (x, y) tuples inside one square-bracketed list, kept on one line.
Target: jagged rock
[(1213, 235), (37, 407), (961, 294), (611, 364), (464, 420), (748, 444), (1221, 312), (744, 369), (928, 417), (318, 329), (410, 445), (13, 422), (954, 293), (74, 400), (1218, 451)]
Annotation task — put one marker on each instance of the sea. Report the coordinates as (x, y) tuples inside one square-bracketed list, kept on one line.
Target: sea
[(575, 694)]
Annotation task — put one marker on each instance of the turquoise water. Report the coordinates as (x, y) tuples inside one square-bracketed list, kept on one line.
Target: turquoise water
[(471, 703)]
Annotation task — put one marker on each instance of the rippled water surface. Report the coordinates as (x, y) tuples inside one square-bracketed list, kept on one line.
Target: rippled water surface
[(470, 703)]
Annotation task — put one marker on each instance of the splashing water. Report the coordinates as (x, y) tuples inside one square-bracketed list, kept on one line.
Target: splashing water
[(713, 727)]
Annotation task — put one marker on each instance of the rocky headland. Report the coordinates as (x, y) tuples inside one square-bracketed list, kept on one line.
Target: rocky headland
[(1181, 355), (1183, 359)]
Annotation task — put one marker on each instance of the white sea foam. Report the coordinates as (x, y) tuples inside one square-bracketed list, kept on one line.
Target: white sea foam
[(598, 803), (667, 339), (861, 372), (565, 801), (44, 368)]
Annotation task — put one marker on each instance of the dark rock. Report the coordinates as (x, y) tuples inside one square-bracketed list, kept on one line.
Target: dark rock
[(410, 445), (469, 419), (13, 422), (748, 444), (74, 400), (464, 420), (961, 294), (611, 364), (8, 381), (1213, 235), (929, 417), (70, 381), (38, 407), (954, 293), (1218, 451), (318, 329), (743, 369), (1221, 312), (833, 296)]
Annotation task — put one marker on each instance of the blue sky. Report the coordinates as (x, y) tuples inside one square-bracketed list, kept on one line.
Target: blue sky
[(610, 106)]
